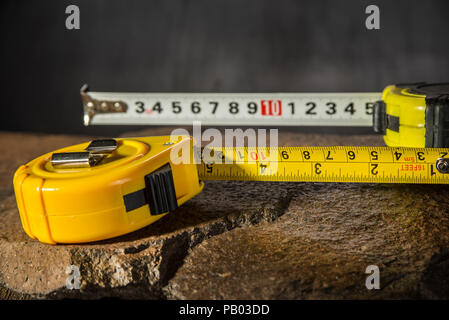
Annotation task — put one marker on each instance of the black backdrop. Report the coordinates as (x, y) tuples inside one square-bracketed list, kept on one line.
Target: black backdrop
[(225, 46)]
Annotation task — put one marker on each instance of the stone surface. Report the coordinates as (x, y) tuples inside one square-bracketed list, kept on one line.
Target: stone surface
[(245, 240), (322, 244)]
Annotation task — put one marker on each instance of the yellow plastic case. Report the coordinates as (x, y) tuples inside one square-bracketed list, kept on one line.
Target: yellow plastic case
[(76, 205), (414, 115)]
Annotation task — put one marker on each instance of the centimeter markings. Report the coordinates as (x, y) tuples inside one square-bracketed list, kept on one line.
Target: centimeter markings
[(283, 109), (324, 164)]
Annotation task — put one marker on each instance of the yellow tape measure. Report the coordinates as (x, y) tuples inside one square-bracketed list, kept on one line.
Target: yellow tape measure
[(106, 188), (94, 191)]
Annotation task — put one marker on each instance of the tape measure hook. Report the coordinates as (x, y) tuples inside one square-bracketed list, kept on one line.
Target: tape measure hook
[(93, 106)]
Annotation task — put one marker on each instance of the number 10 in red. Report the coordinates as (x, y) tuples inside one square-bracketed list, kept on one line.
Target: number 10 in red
[(271, 107)]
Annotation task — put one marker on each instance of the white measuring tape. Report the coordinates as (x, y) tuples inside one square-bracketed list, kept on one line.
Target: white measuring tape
[(278, 109)]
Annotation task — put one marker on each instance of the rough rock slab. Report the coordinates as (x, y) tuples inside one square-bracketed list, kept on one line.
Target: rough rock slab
[(243, 240), (322, 244)]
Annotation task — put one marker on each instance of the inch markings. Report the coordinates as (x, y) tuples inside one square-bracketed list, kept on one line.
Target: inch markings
[(326, 164)]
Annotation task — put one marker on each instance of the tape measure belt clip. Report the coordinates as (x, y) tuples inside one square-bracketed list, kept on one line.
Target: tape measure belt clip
[(83, 159), (102, 146), (95, 152)]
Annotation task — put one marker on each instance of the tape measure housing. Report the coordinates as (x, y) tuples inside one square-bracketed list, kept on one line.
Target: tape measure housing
[(132, 187), (414, 115)]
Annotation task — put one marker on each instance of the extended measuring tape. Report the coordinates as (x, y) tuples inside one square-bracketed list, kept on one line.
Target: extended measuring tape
[(106, 188), (409, 115)]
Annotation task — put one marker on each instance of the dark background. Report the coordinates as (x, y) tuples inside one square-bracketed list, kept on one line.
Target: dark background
[(223, 46)]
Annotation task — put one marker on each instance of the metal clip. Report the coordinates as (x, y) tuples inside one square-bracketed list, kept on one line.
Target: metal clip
[(75, 159), (442, 165), (102, 146), (93, 106), (95, 152)]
